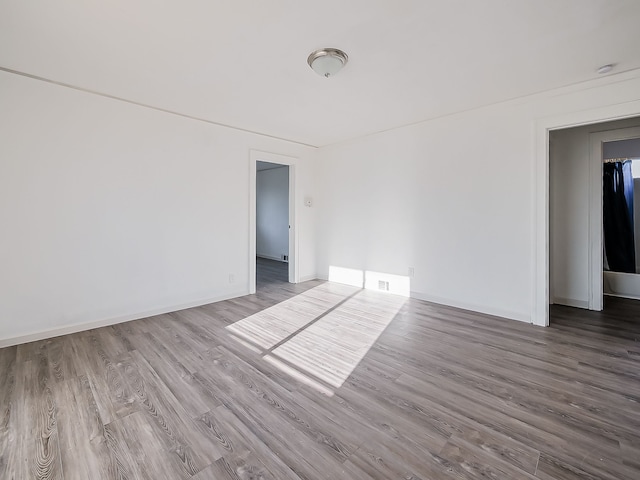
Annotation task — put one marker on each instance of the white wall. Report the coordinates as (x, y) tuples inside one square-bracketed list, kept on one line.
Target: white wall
[(452, 197), (569, 210), (622, 149), (111, 211), (272, 213)]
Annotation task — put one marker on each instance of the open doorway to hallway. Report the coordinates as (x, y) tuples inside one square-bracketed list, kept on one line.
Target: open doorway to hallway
[(272, 224), (273, 161), (580, 194)]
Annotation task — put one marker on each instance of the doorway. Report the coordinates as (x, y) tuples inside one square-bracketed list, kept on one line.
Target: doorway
[(621, 214), (272, 223), (273, 239), (577, 274), (542, 238)]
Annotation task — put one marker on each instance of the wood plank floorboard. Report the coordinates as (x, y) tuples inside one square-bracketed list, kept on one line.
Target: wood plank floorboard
[(324, 381)]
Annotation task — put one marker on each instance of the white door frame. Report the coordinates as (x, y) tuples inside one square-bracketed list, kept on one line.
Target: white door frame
[(540, 203), (596, 141), (254, 157)]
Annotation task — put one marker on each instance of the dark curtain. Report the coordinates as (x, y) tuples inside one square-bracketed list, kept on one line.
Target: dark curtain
[(618, 217)]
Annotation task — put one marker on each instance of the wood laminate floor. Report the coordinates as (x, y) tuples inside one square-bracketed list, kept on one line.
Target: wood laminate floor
[(270, 273), (325, 381)]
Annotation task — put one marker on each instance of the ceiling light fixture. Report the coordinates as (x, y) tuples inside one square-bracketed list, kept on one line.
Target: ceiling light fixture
[(605, 69), (327, 61)]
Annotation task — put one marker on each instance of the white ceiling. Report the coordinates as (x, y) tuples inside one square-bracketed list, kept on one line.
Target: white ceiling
[(243, 63)]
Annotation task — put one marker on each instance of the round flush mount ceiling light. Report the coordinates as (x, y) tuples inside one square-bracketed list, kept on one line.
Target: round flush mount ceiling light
[(327, 61), (605, 69)]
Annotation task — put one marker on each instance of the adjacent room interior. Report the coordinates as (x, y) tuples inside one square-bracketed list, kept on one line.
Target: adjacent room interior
[(272, 224), (373, 240)]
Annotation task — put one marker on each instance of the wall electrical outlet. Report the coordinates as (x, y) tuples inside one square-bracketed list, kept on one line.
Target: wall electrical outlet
[(411, 272), (232, 278), (383, 285)]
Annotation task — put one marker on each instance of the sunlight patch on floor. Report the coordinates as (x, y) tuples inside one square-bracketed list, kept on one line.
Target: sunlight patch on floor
[(331, 348), (272, 325), (320, 336)]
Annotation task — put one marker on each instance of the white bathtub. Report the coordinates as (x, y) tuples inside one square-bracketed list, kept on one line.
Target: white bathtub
[(621, 284)]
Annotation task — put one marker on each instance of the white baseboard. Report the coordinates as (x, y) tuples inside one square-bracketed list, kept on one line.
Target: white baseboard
[(80, 327), (271, 257), (306, 278), (571, 302), (497, 312)]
